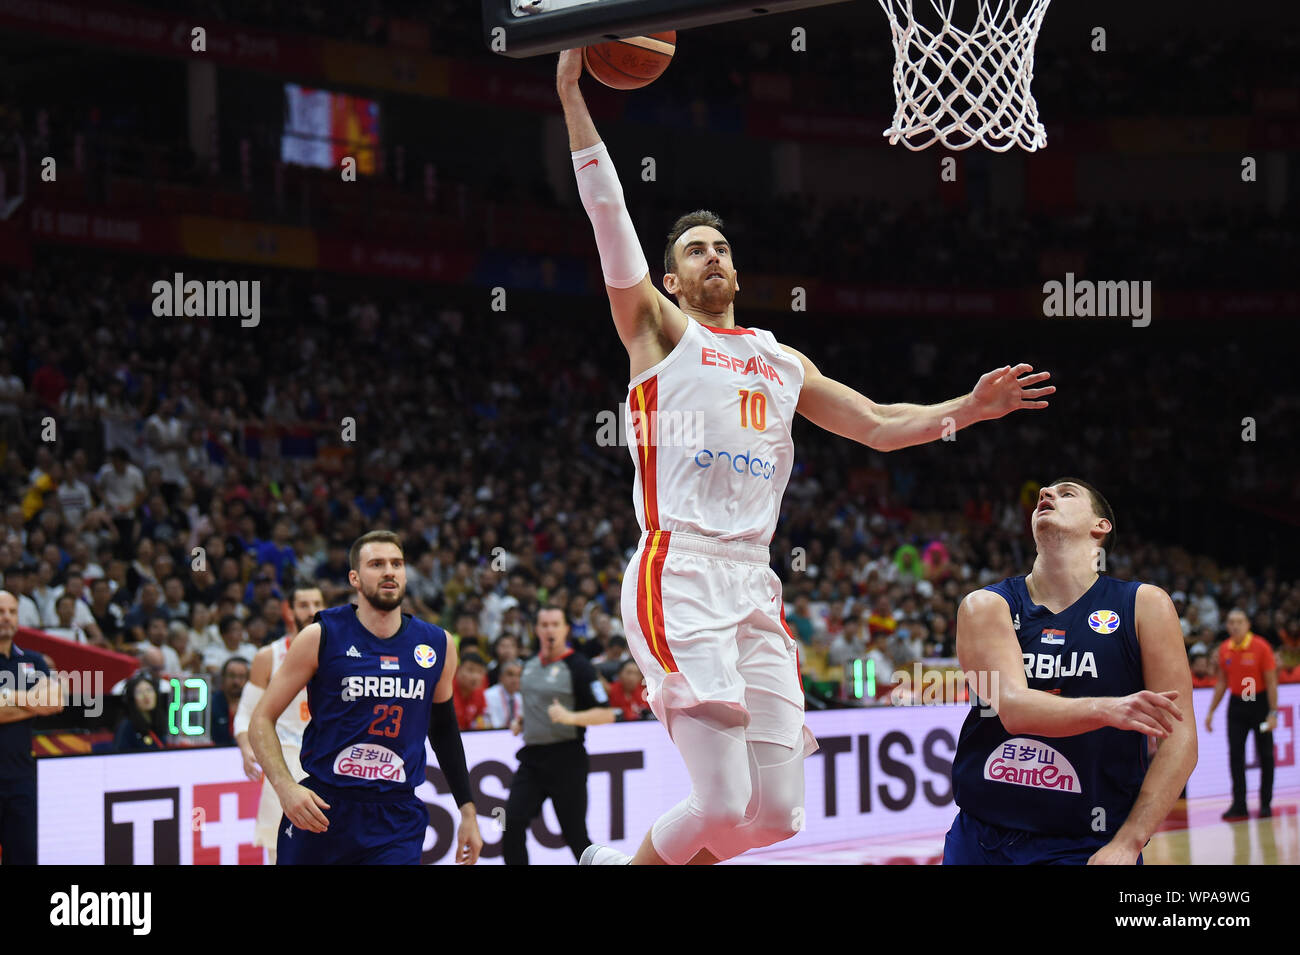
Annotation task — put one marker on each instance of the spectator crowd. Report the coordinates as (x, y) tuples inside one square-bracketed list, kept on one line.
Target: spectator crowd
[(196, 474)]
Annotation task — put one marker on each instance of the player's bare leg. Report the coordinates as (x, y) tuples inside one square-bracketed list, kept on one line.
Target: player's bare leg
[(646, 855)]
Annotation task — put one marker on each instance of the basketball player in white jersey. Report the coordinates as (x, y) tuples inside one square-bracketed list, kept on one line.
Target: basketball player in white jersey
[(709, 412), (304, 603)]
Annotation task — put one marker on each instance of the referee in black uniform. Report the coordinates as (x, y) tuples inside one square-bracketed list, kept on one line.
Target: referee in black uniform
[(26, 691), (553, 762)]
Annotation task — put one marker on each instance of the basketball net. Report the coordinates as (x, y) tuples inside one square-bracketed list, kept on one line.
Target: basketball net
[(959, 87)]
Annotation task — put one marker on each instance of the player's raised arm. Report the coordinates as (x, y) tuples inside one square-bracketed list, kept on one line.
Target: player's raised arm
[(836, 407), (301, 805), (989, 654), (637, 306)]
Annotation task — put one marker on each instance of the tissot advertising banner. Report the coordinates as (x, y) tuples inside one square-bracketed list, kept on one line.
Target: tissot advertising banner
[(880, 772)]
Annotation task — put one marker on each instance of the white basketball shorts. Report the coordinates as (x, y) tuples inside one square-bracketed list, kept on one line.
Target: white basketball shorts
[(705, 622)]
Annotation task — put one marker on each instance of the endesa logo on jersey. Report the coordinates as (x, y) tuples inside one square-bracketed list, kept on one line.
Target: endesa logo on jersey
[(370, 761), (1031, 762), (406, 688), (752, 366), (743, 463)]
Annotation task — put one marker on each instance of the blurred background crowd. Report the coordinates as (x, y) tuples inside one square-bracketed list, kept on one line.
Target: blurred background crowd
[(169, 481), (195, 477)]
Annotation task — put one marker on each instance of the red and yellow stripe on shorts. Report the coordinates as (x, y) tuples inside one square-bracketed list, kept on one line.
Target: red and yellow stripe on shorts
[(644, 403), (650, 598)]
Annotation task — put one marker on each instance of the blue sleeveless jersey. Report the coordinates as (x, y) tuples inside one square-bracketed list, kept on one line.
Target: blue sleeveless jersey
[(370, 702), (1055, 785)]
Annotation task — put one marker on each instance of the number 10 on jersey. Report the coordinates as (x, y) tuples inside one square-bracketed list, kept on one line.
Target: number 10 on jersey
[(753, 409)]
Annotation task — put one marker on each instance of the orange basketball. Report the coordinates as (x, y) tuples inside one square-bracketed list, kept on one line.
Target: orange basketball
[(630, 63)]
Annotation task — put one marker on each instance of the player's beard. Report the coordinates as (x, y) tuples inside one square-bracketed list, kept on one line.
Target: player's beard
[(380, 601), (714, 293)]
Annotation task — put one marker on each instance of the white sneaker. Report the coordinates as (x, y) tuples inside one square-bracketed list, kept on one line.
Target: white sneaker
[(603, 855)]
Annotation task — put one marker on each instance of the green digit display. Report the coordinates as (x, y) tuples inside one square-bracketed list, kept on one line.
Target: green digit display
[(175, 705), (191, 713), (196, 707)]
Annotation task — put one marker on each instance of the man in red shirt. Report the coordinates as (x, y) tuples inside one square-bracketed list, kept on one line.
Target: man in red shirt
[(627, 693), (1246, 662), (467, 692)]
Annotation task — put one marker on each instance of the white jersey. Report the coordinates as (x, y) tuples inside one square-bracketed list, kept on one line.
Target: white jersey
[(289, 727), (709, 431)]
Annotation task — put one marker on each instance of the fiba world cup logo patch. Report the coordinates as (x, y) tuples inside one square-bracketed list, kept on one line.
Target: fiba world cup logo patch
[(425, 656), (1104, 621)]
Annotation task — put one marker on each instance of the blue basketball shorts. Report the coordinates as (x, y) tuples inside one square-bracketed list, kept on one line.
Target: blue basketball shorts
[(972, 842), (365, 828)]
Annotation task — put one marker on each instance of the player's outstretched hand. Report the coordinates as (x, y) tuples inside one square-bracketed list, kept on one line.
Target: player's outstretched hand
[(303, 808), (1004, 390), (1144, 711), (468, 842), (569, 69)]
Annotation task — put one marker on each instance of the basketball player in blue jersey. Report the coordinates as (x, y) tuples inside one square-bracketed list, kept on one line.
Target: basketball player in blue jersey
[(1076, 670), (378, 683)]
